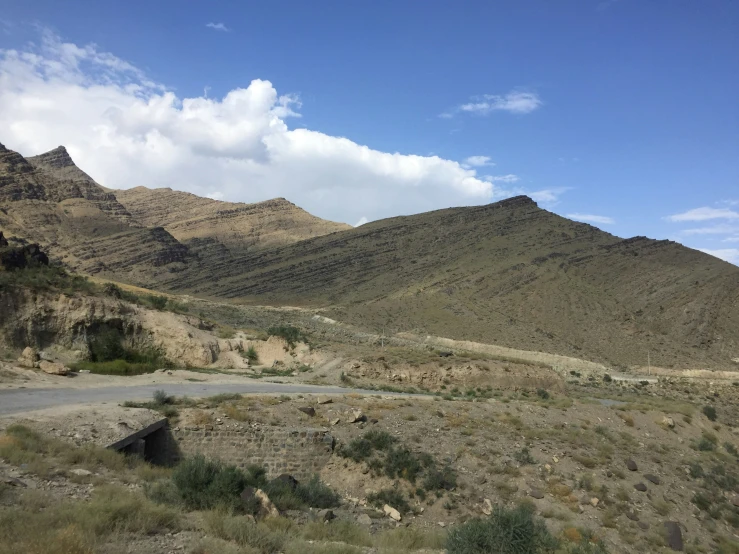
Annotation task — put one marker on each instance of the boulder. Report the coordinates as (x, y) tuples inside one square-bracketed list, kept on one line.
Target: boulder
[(326, 515), (325, 400), (641, 487), (735, 501), (668, 422), (53, 368), (391, 512), (594, 502), (28, 358), (487, 507), (79, 472), (364, 519), (631, 465), (356, 416), (643, 525), (536, 493), (632, 516), (289, 481), (265, 507), (652, 478), (308, 410), (674, 535)]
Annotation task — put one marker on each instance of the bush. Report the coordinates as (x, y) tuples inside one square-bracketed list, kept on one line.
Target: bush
[(316, 494), (251, 354), (391, 497), (541, 393), (205, 484), (108, 356), (506, 531), (292, 335), (524, 457), (710, 412), (440, 479)]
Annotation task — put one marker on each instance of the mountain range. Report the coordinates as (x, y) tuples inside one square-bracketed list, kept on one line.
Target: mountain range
[(508, 273)]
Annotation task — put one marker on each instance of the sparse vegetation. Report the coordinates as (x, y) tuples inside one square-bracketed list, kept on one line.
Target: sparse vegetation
[(109, 356), (291, 334), (710, 412), (251, 354), (514, 531)]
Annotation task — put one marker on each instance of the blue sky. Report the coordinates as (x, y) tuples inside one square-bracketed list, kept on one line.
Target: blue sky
[(622, 110)]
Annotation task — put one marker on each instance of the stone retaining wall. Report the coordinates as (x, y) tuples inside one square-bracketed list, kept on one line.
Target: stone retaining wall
[(299, 452)]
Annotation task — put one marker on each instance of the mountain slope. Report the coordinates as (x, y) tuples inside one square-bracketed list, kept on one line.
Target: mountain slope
[(508, 273), (48, 200), (237, 226)]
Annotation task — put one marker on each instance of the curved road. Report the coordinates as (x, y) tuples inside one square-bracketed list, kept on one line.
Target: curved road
[(14, 401)]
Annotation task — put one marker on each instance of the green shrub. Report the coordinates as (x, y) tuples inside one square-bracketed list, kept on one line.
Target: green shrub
[(541, 393), (156, 302), (292, 335), (316, 494), (402, 463), (710, 412), (251, 354), (506, 531), (205, 484), (391, 497), (524, 457), (440, 479)]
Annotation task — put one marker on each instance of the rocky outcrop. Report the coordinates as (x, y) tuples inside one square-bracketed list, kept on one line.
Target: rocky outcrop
[(21, 257)]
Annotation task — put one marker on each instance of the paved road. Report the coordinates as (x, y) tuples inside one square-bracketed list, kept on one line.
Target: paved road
[(15, 401)]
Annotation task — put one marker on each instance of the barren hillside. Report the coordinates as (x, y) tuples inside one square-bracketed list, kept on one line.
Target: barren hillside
[(508, 273), (237, 226)]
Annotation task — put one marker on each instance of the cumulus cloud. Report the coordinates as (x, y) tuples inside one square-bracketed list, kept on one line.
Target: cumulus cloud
[(218, 27), (362, 221), (730, 255), (515, 102), (704, 214), (127, 130), (590, 218)]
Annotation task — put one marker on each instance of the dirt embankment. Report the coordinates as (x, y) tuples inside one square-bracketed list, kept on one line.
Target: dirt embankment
[(63, 325)]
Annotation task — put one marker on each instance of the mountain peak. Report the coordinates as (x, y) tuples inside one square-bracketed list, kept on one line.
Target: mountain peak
[(56, 158)]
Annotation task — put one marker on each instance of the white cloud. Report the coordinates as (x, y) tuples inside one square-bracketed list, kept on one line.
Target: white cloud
[(730, 255), (547, 197), (731, 239), (218, 27), (362, 221), (217, 195), (722, 229), (590, 218), (478, 161), (704, 214), (126, 130), (510, 178), (516, 102)]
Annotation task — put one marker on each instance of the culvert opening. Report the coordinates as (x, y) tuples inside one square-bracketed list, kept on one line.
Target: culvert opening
[(153, 443)]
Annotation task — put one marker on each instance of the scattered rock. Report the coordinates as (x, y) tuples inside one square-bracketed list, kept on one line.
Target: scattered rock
[(326, 515), (536, 493), (735, 501), (392, 512), (641, 487), (308, 410), (668, 422), (28, 357), (643, 525), (364, 519), (334, 421), (325, 400), (42, 355), (674, 535), (356, 416), (13, 482), (632, 516), (487, 507), (53, 368), (79, 472), (594, 502), (631, 465), (652, 478)]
